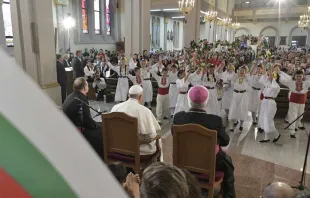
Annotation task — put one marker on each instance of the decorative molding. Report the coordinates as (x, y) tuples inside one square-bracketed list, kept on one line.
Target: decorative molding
[(291, 35), (245, 29), (62, 2), (51, 85)]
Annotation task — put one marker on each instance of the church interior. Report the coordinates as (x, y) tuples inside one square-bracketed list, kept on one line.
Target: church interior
[(74, 72)]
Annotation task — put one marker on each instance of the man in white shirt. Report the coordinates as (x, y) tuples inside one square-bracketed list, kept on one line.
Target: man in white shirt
[(147, 123)]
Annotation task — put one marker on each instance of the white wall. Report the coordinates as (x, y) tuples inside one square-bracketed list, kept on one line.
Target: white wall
[(222, 5), (169, 28), (284, 29)]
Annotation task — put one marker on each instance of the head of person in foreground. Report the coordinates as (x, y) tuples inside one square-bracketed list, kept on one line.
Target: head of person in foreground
[(278, 190)]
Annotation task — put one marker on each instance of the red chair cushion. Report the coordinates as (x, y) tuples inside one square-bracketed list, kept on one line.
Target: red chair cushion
[(205, 178), (128, 158)]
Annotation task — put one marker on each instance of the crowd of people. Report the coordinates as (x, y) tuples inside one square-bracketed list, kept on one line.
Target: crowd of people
[(194, 86)]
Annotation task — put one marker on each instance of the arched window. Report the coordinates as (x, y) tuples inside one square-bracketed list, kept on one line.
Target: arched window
[(108, 17), (85, 16), (178, 35), (174, 33), (97, 16), (97, 21), (158, 33), (153, 32), (6, 11)]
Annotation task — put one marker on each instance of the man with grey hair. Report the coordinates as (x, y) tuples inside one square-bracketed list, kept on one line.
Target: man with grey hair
[(198, 114), (147, 123), (278, 190)]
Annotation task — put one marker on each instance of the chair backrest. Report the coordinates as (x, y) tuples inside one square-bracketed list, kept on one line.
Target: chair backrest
[(120, 134), (194, 149)]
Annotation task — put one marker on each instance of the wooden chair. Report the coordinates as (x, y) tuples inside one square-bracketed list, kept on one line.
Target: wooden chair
[(121, 141), (194, 149)]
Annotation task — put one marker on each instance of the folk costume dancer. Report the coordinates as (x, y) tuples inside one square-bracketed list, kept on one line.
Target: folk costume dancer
[(146, 83), (209, 79), (298, 98), (220, 91), (122, 82), (173, 91), (255, 92), (183, 87), (136, 80), (162, 100), (269, 106), (239, 103), (227, 95)]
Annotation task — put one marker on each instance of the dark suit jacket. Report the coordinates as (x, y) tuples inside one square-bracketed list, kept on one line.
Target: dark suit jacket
[(61, 74), (78, 69), (71, 108), (213, 122)]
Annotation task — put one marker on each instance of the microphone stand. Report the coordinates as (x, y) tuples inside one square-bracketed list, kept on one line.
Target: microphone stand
[(301, 185), (84, 103)]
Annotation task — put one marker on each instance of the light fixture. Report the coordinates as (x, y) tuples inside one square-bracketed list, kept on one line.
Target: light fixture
[(247, 2), (185, 6), (157, 10), (178, 17), (227, 21), (171, 9), (68, 22), (210, 16), (235, 25), (304, 21)]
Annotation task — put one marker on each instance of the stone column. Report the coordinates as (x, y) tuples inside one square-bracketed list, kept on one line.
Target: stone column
[(137, 26), (165, 33), (34, 43), (192, 27)]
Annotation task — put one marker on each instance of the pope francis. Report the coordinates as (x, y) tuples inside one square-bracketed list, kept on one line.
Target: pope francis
[(147, 123)]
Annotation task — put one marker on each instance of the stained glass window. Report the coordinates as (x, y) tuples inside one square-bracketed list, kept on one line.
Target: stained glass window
[(6, 9), (85, 16), (97, 16), (107, 16)]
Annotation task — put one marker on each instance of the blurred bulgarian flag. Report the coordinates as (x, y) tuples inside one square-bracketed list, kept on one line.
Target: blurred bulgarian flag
[(41, 153)]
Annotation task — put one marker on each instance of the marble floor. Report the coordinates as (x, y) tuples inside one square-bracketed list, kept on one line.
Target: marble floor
[(256, 164)]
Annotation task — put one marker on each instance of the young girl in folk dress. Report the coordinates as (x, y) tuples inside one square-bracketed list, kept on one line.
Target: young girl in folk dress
[(240, 100), (182, 86), (122, 83), (209, 79)]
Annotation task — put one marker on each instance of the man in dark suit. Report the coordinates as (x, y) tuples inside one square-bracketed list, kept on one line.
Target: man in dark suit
[(198, 98), (80, 116), (61, 76), (77, 64)]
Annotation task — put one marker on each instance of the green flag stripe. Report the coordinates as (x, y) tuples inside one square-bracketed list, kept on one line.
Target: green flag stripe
[(28, 166)]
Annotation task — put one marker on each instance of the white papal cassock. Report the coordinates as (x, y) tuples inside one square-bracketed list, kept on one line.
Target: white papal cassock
[(147, 123), (269, 106)]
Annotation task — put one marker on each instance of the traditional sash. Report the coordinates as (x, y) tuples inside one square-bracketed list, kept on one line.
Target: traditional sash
[(298, 98), (163, 91)]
